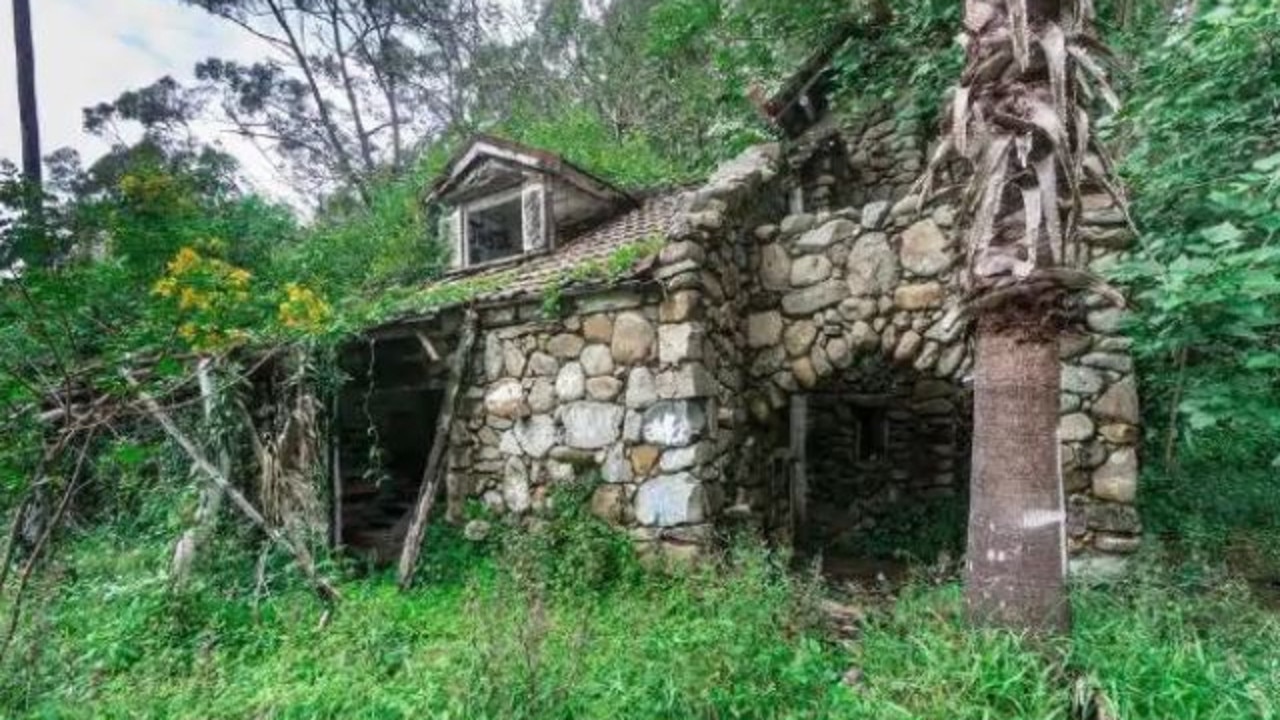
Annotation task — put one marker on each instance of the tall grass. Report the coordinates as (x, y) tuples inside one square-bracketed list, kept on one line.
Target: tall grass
[(564, 622)]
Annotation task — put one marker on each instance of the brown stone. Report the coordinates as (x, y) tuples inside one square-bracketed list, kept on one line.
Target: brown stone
[(565, 345), (918, 297), (609, 503), (925, 249), (775, 267), (679, 306), (1120, 434), (804, 372), (798, 337), (1119, 403), (598, 329), (1117, 478), (764, 329), (633, 338), (644, 458)]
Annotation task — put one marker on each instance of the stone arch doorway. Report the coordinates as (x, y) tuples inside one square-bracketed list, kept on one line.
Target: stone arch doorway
[(880, 474)]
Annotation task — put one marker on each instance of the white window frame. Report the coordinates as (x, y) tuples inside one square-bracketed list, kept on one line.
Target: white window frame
[(464, 230)]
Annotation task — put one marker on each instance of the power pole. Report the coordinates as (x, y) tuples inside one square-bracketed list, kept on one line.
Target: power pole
[(24, 48)]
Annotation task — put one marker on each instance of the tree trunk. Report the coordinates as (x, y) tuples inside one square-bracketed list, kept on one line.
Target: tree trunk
[(342, 157), (1016, 561), (24, 48)]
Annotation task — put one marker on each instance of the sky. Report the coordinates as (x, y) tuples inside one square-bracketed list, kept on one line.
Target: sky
[(89, 51)]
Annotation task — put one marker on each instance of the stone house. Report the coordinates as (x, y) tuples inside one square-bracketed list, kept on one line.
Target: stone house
[(781, 347)]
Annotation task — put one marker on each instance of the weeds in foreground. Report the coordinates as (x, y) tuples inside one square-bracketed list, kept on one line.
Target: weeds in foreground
[(560, 620)]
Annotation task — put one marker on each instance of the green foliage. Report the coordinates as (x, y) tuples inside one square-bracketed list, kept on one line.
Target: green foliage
[(629, 159), (349, 250), (1199, 137), (569, 550), (518, 636), (1154, 648)]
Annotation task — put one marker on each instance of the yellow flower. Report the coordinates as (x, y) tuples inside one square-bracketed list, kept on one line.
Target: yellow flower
[(184, 261), (165, 287), (239, 278)]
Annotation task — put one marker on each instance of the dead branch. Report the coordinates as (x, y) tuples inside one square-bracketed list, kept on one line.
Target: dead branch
[(206, 517), (434, 470), (323, 589), (24, 579), (11, 540)]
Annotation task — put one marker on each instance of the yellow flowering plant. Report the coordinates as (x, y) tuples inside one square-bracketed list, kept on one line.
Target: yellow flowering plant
[(211, 299)]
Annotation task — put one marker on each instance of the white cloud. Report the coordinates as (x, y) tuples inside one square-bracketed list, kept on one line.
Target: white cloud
[(89, 51)]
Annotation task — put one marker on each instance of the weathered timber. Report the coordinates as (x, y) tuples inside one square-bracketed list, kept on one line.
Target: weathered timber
[(435, 461), (323, 589)]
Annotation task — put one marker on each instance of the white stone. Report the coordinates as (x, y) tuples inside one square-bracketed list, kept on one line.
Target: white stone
[(616, 467), (676, 459), (809, 270), (505, 399), (814, 298), (670, 500), (597, 360), (775, 267), (690, 380), (536, 435), (799, 337), (925, 250), (641, 390), (674, 423), (591, 425), (515, 486), (1081, 381), (542, 396), (604, 388), (571, 383), (872, 267), (1075, 427), (542, 365), (494, 363), (873, 214), (679, 342), (513, 360), (820, 239)]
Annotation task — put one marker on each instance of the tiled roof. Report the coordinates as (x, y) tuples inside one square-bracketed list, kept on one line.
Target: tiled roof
[(526, 276)]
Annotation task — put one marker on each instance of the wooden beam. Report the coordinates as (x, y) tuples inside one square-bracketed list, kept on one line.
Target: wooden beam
[(435, 461)]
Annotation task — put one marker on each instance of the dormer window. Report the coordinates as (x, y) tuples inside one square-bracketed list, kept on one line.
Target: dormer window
[(495, 228), (503, 201)]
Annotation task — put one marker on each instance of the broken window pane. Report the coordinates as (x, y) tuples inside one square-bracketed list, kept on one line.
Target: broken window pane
[(495, 232)]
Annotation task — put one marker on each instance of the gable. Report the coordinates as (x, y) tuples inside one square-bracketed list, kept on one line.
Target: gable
[(504, 200)]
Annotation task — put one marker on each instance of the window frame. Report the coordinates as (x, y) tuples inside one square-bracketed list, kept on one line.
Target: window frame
[(475, 206)]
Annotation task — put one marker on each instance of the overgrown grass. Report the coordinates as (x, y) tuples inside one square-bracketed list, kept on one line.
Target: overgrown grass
[(565, 622)]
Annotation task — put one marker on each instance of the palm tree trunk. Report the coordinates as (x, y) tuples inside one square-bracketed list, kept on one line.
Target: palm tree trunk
[(1015, 572)]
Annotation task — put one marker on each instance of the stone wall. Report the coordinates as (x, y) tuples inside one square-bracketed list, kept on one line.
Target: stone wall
[(631, 381), (883, 279), (677, 389)]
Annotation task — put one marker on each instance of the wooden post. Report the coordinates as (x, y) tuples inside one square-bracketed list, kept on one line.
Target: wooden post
[(435, 461)]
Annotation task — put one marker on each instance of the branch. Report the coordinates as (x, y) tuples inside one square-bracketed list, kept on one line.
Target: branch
[(323, 589), (24, 580)]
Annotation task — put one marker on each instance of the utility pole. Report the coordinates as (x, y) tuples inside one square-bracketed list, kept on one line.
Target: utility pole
[(24, 48)]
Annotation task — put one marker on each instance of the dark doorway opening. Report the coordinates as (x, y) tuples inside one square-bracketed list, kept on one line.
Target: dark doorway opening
[(881, 473), (385, 424)]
